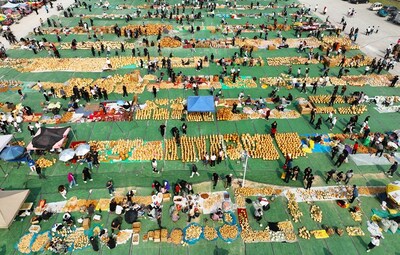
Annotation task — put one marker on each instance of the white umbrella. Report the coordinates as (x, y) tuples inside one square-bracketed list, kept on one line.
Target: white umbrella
[(66, 155), (82, 149)]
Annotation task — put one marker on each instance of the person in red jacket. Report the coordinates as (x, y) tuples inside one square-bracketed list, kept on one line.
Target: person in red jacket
[(355, 148)]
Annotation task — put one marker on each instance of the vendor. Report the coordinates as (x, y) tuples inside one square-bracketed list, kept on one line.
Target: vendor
[(130, 194), (217, 215), (67, 219), (116, 224), (258, 213), (112, 242), (113, 205)]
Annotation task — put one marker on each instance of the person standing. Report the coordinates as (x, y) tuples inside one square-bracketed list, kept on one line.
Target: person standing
[(86, 174), (330, 116), (307, 173), (31, 129), (154, 91), (354, 194), (228, 182), (162, 129), (220, 156), (89, 161), (184, 128), (194, 171), (154, 165), (213, 158), (71, 180), (274, 127), (392, 169), (110, 187), (355, 148), (310, 181), (63, 191), (46, 97), (39, 172), (96, 162), (288, 174), (124, 91), (333, 123), (394, 81), (314, 88), (105, 95), (319, 123), (342, 157), (349, 175), (32, 165), (313, 113), (379, 149), (329, 175), (214, 179), (375, 241)]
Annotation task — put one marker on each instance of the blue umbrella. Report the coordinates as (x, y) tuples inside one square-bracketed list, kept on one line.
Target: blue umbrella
[(12, 152), (120, 102)]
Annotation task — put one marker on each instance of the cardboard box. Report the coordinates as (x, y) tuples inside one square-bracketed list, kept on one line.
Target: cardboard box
[(136, 226), (167, 197), (86, 224), (157, 236)]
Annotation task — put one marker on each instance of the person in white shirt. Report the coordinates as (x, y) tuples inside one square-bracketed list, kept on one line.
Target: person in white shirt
[(38, 125), (40, 86), (333, 123), (213, 158)]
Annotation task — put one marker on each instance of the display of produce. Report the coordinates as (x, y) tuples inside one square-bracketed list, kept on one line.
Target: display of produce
[(357, 215), (193, 232), (24, 244), (44, 163), (354, 231), (171, 149), (169, 42), (304, 233), (210, 233), (316, 213), (123, 236), (290, 143), (176, 236), (286, 61), (325, 99), (147, 151), (293, 207), (229, 232), (40, 242), (360, 109), (78, 239), (327, 109)]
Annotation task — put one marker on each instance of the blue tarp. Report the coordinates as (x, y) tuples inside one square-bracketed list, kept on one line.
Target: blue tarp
[(200, 104)]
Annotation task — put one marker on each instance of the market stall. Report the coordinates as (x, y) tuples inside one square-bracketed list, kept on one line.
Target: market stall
[(49, 139), (10, 203)]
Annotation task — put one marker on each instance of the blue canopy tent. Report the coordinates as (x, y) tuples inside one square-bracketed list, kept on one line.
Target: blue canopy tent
[(14, 154), (200, 104)]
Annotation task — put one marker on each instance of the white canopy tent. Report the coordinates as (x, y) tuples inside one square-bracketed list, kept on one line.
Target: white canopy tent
[(4, 140), (10, 5), (10, 202)]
